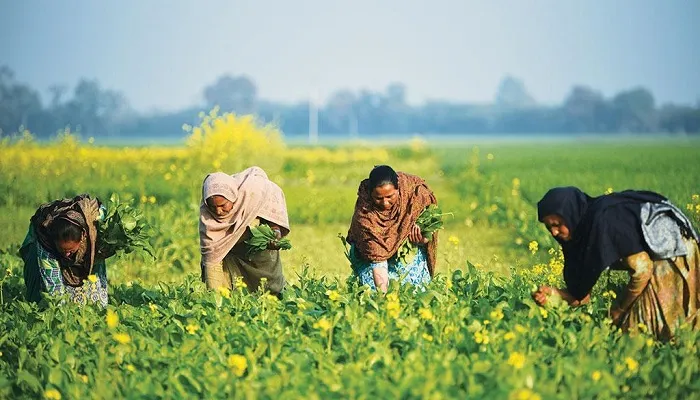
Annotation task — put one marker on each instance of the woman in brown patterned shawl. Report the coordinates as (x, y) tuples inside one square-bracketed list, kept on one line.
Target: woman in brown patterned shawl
[(59, 251), (388, 205), (230, 205), (639, 232)]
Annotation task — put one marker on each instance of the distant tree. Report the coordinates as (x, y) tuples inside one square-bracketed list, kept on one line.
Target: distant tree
[(20, 105), (635, 111), (513, 94), (585, 110), (237, 94), (339, 112), (679, 119), (398, 114), (92, 110)]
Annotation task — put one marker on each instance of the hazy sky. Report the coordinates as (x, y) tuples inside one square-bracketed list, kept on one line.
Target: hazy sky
[(161, 53)]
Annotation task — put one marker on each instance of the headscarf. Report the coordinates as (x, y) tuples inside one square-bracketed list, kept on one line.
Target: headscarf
[(82, 211), (378, 234), (603, 230), (253, 195)]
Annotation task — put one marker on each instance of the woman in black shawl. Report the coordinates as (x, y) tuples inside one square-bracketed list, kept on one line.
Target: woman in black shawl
[(640, 232)]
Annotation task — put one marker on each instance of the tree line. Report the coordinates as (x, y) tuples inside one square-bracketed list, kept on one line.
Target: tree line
[(92, 110)]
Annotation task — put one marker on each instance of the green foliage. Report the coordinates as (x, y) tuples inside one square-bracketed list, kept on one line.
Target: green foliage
[(473, 333), (468, 335), (349, 252), (429, 221), (262, 236), (123, 229)]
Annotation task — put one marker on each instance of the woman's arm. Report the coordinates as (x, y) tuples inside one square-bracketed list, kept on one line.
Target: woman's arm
[(380, 273), (49, 270), (640, 267), (543, 292), (275, 228)]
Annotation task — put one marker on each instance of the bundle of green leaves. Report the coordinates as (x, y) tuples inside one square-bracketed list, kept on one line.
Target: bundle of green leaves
[(123, 229), (429, 221), (261, 236)]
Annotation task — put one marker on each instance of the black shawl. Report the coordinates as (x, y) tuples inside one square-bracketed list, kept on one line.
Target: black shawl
[(603, 230)]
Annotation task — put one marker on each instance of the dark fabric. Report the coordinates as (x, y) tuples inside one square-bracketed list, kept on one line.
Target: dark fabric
[(603, 230), (265, 264), (378, 234), (32, 277), (82, 211)]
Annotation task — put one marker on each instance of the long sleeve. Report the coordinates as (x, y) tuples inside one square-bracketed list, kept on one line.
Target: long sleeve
[(50, 271), (640, 268)]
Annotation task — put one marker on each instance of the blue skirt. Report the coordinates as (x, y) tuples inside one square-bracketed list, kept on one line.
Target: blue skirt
[(414, 272)]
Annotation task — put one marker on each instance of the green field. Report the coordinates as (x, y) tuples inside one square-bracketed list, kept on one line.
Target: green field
[(473, 333)]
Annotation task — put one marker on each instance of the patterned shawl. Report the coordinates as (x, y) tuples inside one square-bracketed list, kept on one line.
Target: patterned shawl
[(253, 195), (378, 234), (81, 211)]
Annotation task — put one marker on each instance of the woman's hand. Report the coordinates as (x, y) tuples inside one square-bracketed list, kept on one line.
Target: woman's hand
[(415, 236), (276, 229), (272, 245), (381, 278), (575, 303), (615, 314), (542, 294)]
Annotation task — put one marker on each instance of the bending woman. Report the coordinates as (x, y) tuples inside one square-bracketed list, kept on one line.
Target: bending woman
[(636, 231), (230, 204), (388, 205), (59, 252)]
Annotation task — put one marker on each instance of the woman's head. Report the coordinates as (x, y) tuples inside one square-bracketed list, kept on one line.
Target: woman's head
[(557, 227), (561, 210), (384, 186), (67, 236), (219, 205), (219, 193)]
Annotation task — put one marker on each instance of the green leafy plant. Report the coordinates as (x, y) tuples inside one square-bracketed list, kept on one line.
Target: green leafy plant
[(349, 251), (123, 229), (429, 221), (261, 236)]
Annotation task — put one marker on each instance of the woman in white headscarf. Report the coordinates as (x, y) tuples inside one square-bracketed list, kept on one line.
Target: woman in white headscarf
[(230, 205)]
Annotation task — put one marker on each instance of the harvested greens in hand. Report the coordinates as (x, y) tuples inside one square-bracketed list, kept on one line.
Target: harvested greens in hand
[(261, 236), (123, 229), (429, 221)]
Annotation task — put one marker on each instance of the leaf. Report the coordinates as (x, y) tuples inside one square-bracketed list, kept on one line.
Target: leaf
[(124, 230), (261, 236), (128, 222), (55, 376), (28, 379)]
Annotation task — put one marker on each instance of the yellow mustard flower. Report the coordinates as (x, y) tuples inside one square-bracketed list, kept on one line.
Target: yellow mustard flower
[(192, 328), (112, 319), (426, 314), (332, 295), (52, 394), (323, 324), (238, 364), (516, 360), (122, 338)]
